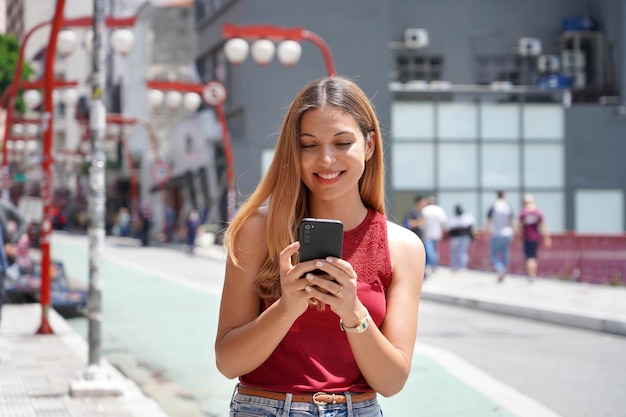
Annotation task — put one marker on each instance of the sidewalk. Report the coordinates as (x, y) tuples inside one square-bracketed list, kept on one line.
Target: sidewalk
[(588, 306), (36, 370)]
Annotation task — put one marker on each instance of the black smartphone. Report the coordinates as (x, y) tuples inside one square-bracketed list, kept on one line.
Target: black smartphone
[(320, 238)]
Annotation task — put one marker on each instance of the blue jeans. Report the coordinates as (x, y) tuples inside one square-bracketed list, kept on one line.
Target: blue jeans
[(500, 252), (432, 255), (458, 251), (250, 406)]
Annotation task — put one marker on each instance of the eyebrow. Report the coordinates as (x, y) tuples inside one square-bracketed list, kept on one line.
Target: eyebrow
[(343, 132)]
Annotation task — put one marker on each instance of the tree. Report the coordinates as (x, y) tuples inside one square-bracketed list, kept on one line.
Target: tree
[(9, 51)]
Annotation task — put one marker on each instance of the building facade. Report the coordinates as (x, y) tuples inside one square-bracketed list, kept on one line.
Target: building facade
[(473, 96)]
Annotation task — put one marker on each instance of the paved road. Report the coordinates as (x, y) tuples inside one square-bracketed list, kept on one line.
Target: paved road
[(161, 310)]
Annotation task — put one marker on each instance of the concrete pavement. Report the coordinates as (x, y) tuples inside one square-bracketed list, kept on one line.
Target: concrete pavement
[(35, 371)]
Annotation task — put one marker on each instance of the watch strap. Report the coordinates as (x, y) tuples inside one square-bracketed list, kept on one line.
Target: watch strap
[(360, 327)]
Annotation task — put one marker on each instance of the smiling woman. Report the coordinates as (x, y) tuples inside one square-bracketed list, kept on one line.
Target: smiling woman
[(331, 341)]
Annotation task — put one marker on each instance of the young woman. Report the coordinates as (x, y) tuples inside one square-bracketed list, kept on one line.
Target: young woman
[(331, 341)]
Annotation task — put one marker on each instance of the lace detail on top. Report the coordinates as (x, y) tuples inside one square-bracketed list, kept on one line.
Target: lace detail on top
[(367, 249)]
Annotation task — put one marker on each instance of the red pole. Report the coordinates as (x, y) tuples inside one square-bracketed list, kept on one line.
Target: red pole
[(230, 162), (48, 123)]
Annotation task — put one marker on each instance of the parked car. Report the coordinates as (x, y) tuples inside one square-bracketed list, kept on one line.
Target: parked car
[(66, 300)]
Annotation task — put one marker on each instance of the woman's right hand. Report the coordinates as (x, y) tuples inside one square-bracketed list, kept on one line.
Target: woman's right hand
[(293, 294)]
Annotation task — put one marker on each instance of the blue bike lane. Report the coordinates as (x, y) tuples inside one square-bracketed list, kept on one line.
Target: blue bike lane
[(160, 321)]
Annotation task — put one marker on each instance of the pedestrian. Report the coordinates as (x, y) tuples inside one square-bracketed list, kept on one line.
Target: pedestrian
[(320, 344), (460, 233), (532, 228), (12, 226), (500, 225), (192, 224), (414, 219), (123, 222), (145, 224), (435, 219)]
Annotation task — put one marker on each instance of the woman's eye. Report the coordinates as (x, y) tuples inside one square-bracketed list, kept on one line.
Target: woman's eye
[(344, 144), (307, 145)]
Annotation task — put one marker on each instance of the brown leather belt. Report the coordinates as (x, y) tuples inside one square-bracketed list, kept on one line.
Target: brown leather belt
[(317, 398)]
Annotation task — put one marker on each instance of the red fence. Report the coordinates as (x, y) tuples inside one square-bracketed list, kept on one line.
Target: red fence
[(586, 258)]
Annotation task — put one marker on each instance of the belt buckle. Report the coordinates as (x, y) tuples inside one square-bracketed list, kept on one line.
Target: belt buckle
[(322, 402)]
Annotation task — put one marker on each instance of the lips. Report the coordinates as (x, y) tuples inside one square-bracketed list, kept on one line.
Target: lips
[(328, 177)]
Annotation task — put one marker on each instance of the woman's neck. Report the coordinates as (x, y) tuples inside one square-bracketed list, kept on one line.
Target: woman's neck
[(350, 215)]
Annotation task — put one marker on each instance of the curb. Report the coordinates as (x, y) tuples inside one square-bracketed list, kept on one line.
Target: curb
[(588, 321)]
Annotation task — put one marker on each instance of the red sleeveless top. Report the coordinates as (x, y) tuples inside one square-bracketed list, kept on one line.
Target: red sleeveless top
[(315, 354)]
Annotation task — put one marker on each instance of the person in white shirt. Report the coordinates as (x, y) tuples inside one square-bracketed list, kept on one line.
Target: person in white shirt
[(461, 233), (435, 219), (500, 224)]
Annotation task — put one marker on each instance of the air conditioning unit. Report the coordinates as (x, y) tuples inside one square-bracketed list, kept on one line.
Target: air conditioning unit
[(529, 47), (548, 63), (416, 38)]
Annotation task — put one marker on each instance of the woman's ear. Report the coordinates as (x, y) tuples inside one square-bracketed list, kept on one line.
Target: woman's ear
[(370, 145)]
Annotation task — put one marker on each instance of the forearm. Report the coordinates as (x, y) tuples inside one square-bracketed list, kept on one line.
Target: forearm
[(245, 348), (384, 366)]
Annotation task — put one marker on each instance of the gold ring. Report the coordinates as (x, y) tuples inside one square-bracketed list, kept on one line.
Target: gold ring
[(340, 289)]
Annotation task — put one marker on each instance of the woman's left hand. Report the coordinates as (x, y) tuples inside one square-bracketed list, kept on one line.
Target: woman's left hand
[(338, 288)]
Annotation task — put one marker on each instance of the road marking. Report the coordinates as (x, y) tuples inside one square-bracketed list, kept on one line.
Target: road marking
[(509, 398)]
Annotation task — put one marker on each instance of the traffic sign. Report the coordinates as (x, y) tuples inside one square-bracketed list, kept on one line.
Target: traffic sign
[(214, 93), (161, 172)]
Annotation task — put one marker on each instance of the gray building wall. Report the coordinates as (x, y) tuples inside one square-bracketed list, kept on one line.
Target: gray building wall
[(359, 33)]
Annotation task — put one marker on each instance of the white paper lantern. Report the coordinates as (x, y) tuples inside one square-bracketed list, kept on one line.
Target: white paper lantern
[(122, 40), (191, 101), (155, 98), (16, 130), (263, 51), (173, 99), (31, 130), (66, 42), (289, 52), (70, 97), (32, 99), (236, 50)]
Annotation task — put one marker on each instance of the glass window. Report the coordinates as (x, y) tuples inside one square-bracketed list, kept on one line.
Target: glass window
[(552, 205), (543, 165), (411, 120), (457, 121), (500, 165), (467, 200), (599, 211), (412, 165), (457, 166), (543, 122), (500, 121)]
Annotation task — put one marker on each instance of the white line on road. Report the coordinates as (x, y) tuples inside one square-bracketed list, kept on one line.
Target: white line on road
[(509, 398)]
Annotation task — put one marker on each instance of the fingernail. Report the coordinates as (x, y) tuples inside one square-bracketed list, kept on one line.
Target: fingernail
[(329, 260), (319, 263), (309, 277), (308, 289)]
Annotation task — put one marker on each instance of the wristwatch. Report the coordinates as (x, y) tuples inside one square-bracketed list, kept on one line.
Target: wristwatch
[(360, 327)]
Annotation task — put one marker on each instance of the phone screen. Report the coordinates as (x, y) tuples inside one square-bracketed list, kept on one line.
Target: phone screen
[(320, 238)]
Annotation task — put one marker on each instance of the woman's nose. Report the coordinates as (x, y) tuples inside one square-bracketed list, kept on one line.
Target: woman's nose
[(327, 155)]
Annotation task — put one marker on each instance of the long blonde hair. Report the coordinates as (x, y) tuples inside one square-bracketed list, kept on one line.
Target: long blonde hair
[(282, 187)]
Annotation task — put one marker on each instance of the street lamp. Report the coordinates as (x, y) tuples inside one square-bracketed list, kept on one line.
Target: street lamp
[(263, 47), (47, 84), (214, 94)]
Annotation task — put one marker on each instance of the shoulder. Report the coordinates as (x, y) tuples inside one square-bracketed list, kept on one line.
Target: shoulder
[(251, 239), (404, 245)]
